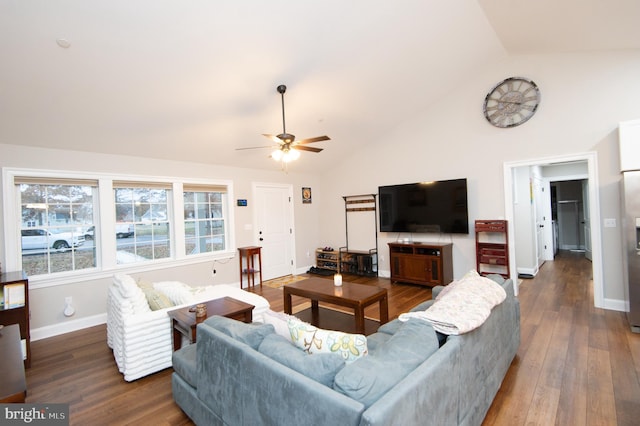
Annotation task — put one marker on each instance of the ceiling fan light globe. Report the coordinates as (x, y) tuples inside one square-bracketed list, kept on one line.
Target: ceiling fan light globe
[(277, 155), (290, 155)]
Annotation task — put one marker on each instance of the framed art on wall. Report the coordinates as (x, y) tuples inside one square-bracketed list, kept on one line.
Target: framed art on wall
[(306, 195)]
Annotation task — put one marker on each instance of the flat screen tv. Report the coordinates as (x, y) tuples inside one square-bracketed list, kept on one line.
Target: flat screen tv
[(439, 206)]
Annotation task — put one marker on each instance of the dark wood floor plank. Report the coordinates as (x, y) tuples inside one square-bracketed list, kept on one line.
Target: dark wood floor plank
[(633, 340), (623, 372), (572, 406), (601, 407)]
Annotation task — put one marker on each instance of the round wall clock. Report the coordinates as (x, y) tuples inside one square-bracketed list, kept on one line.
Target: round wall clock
[(511, 102)]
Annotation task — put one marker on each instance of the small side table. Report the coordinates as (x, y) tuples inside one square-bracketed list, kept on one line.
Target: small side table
[(17, 314), (248, 255), (184, 320)]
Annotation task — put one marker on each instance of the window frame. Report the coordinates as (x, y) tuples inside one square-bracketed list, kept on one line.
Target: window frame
[(104, 223), (225, 206), (75, 251), (138, 222)]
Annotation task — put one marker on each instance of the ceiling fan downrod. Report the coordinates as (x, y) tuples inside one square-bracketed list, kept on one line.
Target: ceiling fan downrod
[(285, 137)]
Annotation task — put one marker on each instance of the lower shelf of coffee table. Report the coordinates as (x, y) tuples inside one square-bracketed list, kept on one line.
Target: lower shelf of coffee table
[(335, 320)]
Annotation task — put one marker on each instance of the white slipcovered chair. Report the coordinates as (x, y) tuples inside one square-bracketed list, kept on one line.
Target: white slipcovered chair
[(141, 338)]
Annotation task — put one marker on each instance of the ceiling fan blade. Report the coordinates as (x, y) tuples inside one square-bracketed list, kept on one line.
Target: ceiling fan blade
[(273, 138), (307, 148), (256, 147), (311, 140)]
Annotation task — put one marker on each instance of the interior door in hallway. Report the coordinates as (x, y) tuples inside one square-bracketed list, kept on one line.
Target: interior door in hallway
[(273, 212), (542, 204)]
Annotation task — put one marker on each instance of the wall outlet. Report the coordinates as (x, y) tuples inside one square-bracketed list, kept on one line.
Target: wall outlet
[(308, 253), (609, 223)]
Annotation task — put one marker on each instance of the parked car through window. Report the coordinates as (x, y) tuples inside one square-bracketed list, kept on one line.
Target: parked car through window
[(43, 239)]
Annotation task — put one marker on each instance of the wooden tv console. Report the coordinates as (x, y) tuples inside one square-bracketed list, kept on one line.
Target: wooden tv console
[(428, 264)]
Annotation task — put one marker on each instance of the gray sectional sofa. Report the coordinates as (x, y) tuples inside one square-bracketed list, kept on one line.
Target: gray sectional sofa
[(245, 374)]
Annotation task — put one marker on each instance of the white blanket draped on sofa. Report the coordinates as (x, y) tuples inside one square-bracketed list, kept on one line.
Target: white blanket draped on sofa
[(141, 339), (462, 306)]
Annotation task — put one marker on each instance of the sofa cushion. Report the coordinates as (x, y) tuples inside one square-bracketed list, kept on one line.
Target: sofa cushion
[(375, 340), (320, 367), (368, 378), (317, 340), (184, 362), (249, 334), (391, 327), (156, 299)]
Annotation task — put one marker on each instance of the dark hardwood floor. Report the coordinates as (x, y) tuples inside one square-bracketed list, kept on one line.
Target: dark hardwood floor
[(576, 365)]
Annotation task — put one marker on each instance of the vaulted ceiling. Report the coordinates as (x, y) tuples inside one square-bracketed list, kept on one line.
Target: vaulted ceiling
[(194, 80)]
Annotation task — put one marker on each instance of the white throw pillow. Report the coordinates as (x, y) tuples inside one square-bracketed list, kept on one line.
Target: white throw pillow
[(279, 321), (179, 293)]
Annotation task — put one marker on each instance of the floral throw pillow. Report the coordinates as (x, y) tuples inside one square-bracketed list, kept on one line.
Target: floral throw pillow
[(317, 340)]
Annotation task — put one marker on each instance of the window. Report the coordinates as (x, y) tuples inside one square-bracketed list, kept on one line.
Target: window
[(143, 229), (55, 214), (204, 219), (62, 227)]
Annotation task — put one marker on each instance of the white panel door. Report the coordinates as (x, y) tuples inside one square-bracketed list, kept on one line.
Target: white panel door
[(540, 200), (273, 212)]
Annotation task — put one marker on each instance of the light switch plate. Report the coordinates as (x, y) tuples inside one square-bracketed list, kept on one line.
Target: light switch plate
[(609, 223)]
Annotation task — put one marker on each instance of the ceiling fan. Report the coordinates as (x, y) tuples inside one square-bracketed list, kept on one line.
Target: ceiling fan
[(288, 148)]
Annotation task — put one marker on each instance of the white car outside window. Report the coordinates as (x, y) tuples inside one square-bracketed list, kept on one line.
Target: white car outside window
[(124, 230), (43, 239)]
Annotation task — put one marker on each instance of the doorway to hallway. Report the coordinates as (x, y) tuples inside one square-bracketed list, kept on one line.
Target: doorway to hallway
[(524, 241)]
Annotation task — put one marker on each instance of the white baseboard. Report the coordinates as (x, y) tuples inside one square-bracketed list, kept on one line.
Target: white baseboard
[(67, 326), (303, 270), (616, 305), (384, 274)]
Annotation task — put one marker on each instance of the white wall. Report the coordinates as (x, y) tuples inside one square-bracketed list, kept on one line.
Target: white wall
[(47, 303), (584, 97)]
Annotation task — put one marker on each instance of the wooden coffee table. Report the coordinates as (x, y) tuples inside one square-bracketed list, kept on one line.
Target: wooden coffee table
[(184, 320), (350, 295)]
